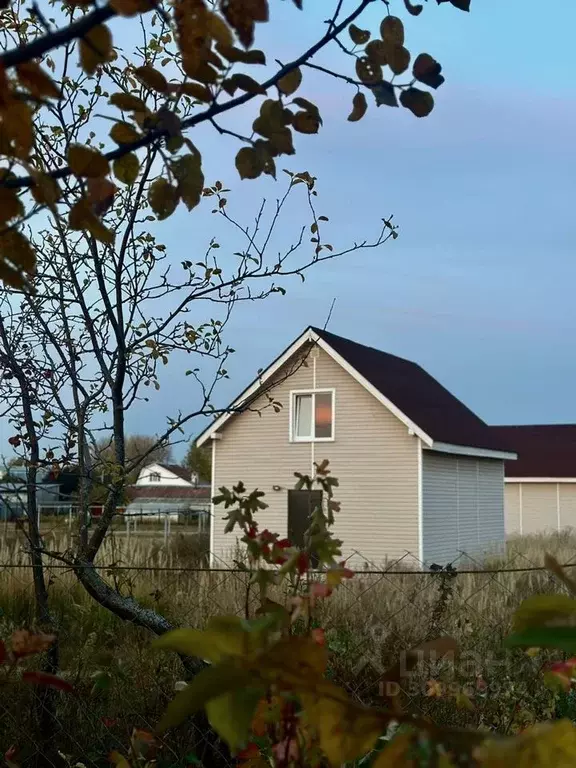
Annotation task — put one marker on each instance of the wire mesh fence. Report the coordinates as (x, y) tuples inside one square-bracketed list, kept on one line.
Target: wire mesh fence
[(369, 624)]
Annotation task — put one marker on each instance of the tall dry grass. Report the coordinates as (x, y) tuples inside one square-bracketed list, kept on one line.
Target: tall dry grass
[(369, 622)]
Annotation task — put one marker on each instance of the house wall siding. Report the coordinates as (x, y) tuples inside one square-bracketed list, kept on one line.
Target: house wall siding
[(539, 507), (373, 456), (463, 507)]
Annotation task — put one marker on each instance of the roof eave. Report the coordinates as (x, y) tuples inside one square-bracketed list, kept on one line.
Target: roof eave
[(469, 450)]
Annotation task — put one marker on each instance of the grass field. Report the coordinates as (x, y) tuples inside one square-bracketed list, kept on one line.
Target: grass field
[(369, 622)]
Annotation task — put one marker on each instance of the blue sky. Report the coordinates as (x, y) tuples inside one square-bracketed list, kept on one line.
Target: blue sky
[(479, 286)]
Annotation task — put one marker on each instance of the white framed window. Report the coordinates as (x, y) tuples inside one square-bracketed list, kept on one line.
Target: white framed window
[(312, 415), (154, 477)]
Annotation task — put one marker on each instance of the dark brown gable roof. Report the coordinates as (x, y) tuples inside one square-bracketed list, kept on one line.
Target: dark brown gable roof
[(417, 394), (151, 492), (544, 450), (177, 470)]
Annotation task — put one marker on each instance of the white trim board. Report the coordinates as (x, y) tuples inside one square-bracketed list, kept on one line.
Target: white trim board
[(463, 450), (540, 479)]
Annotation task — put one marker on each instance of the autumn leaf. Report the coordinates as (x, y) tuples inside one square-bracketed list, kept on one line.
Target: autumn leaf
[(82, 218), (188, 172), (163, 198), (37, 81), (219, 30), (376, 52), (398, 58), (368, 71), (45, 190), (127, 102), (17, 263), (359, 107), (131, 7), (306, 122), (10, 205), (397, 752), (412, 8), (420, 103), (544, 610), (126, 168), (357, 35), (24, 642), (235, 55), (101, 193), (392, 30), (123, 133), (544, 745), (194, 90), (96, 48), (47, 680), (242, 15), (17, 127), (87, 162), (151, 78), (245, 83), (384, 93), (118, 760), (249, 163), (427, 70), (290, 83)]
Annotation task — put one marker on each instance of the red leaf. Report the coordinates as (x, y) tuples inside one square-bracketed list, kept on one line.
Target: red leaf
[(44, 678), (2, 652)]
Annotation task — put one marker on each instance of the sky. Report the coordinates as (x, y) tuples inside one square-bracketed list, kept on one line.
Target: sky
[(478, 288)]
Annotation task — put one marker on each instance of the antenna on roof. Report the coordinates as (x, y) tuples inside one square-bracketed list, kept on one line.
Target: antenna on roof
[(329, 314)]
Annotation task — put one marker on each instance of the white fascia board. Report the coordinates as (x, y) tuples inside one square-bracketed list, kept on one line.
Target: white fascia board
[(540, 479), (464, 450)]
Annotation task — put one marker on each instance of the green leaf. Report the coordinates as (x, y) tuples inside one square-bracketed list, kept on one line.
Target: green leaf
[(540, 610), (231, 715), (207, 685), (212, 645), (563, 638), (163, 198), (126, 168)]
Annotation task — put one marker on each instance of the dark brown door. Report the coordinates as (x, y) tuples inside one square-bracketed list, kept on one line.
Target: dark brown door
[(301, 504)]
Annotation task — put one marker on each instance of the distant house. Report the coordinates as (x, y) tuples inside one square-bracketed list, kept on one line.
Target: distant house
[(162, 489), (541, 484), (13, 492), (421, 477)]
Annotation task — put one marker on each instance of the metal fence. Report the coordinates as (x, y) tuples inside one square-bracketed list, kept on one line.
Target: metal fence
[(369, 623)]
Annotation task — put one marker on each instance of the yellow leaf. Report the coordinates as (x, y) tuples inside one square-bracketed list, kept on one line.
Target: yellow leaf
[(357, 35), (131, 7), (249, 163), (306, 122), (17, 127), (96, 48), (195, 90), (205, 74), (544, 745), (124, 133), (280, 141), (45, 190), (87, 162), (17, 262), (368, 71), (396, 753), (231, 714), (151, 78), (540, 610), (118, 760), (463, 702), (82, 218), (392, 30), (359, 107), (188, 172), (290, 82), (37, 81), (10, 206), (163, 198), (242, 15), (245, 83), (127, 102), (126, 168), (219, 30)]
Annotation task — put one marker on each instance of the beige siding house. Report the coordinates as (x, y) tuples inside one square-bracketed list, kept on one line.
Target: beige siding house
[(420, 476), (540, 492)]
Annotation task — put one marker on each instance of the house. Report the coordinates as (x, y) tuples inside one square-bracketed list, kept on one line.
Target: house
[(421, 477), (167, 489), (14, 492), (541, 485)]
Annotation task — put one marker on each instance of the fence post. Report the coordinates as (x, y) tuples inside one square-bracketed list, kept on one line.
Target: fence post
[(127, 529), (165, 528)]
